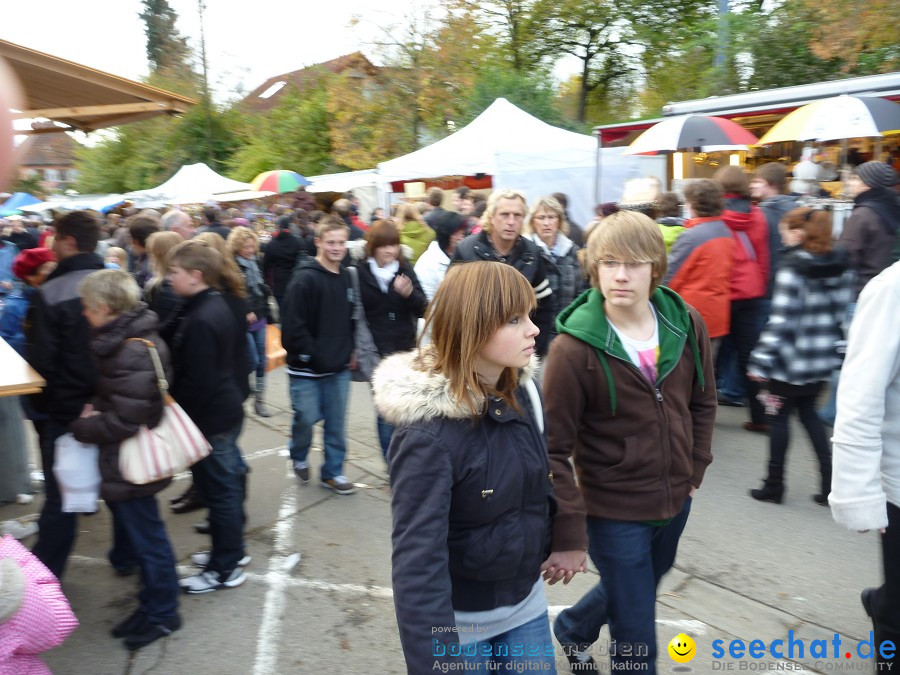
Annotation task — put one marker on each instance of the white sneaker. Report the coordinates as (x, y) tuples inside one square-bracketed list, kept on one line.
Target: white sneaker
[(209, 581), (201, 559)]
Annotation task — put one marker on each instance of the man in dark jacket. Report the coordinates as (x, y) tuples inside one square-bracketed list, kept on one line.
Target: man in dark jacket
[(211, 215), (768, 187), (435, 197), (317, 333), (870, 233), (58, 348), (279, 259), (501, 240)]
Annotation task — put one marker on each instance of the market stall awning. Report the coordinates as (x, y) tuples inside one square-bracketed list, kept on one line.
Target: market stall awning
[(82, 98)]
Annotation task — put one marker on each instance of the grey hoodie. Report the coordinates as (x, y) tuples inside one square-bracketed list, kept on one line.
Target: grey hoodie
[(774, 209)]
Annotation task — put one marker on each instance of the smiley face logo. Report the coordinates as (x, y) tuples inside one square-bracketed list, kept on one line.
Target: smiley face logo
[(682, 648)]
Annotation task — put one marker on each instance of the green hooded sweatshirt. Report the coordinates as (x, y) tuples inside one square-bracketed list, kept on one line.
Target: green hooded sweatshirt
[(580, 320), (417, 236)]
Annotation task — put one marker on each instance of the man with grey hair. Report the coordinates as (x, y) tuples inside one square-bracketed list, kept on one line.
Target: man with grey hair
[(179, 222), (501, 240)]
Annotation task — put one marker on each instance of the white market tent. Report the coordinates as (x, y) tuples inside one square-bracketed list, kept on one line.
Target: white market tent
[(365, 185), (191, 184), (520, 151)]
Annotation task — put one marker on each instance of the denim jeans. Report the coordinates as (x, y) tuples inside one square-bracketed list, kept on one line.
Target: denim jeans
[(495, 654), (257, 342), (748, 318), (143, 539), (632, 557), (315, 399), (385, 433), (56, 530), (219, 478)]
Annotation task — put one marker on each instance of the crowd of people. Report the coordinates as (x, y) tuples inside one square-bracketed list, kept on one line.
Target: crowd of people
[(599, 352)]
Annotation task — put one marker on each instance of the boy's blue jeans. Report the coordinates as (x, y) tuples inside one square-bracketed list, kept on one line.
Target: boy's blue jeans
[(315, 399)]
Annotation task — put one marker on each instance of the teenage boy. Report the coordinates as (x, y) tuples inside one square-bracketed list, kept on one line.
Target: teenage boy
[(57, 345), (317, 333), (629, 386), (203, 359)]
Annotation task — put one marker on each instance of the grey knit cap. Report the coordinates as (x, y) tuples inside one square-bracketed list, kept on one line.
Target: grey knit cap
[(877, 174)]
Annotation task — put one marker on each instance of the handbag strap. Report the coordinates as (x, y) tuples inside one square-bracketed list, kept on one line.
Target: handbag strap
[(357, 298), (157, 365), (535, 398)]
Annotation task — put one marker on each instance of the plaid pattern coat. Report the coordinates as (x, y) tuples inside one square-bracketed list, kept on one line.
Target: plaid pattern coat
[(809, 305)]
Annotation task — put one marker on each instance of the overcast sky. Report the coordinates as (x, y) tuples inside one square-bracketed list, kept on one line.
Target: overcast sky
[(246, 42)]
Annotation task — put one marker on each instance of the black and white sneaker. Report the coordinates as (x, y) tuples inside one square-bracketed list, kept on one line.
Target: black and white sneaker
[(201, 559), (208, 581), (339, 485)]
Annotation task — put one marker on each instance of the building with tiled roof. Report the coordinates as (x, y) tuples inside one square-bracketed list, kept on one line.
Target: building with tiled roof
[(50, 157), (266, 96)]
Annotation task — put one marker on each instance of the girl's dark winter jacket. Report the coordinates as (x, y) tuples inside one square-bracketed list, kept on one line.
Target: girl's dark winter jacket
[(127, 396), (391, 317), (209, 349), (471, 502)]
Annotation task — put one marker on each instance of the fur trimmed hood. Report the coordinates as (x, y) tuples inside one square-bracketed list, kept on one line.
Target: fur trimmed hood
[(407, 390)]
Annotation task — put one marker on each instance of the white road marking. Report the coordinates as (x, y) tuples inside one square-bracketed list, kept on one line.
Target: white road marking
[(269, 635)]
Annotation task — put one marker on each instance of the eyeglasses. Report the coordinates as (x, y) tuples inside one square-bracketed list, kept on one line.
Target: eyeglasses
[(614, 264)]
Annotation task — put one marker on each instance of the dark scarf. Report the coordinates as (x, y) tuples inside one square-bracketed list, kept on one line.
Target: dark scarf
[(885, 203)]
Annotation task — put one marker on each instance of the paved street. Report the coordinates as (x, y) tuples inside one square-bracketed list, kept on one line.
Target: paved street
[(745, 570)]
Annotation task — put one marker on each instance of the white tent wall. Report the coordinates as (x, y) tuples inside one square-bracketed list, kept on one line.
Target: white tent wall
[(578, 183), (520, 151), (363, 184)]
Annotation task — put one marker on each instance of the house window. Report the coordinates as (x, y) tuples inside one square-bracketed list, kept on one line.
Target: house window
[(71, 175), (51, 175), (274, 89)]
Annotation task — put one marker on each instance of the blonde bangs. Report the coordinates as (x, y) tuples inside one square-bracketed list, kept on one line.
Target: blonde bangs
[(627, 236)]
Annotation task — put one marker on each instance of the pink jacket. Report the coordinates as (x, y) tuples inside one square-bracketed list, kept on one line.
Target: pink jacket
[(43, 620)]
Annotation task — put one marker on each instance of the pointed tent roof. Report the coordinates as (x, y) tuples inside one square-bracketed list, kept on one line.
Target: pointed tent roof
[(502, 138), (191, 184)]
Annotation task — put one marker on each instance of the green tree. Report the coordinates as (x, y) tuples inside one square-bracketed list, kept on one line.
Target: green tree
[(167, 51), (533, 93), (516, 30), (293, 135)]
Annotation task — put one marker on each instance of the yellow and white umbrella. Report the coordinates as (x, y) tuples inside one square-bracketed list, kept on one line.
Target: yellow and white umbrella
[(837, 118)]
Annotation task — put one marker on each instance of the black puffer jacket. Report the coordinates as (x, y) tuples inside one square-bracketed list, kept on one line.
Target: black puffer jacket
[(392, 318), (471, 502), (127, 396), (57, 343)]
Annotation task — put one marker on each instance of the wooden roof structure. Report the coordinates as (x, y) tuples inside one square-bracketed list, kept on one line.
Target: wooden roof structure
[(81, 98)]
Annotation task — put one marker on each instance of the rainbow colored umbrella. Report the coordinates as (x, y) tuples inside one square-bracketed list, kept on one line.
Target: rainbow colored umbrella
[(279, 180)]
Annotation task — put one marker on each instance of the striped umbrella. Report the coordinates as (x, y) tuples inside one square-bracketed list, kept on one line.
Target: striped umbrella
[(279, 180), (837, 118), (689, 132)]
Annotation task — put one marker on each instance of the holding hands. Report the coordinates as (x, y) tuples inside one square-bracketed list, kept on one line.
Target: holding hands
[(563, 565)]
